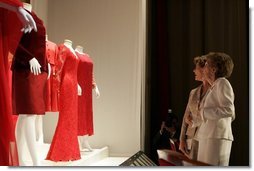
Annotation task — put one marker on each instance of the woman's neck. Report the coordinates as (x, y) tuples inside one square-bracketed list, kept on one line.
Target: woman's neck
[(211, 80), (205, 86)]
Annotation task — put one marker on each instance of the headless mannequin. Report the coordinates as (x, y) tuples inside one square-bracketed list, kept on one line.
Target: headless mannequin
[(83, 140), (68, 44), (25, 128), (80, 50)]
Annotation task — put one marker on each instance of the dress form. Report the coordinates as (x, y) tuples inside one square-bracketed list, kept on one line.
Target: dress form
[(68, 44), (80, 50), (25, 130), (83, 140), (84, 133), (64, 146)]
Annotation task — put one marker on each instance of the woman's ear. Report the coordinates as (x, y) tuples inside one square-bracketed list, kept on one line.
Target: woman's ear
[(214, 70)]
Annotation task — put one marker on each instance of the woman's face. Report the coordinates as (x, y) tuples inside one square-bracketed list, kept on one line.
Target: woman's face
[(198, 71)]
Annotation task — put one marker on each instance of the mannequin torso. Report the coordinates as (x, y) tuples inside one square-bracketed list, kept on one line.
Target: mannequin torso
[(31, 59), (68, 44)]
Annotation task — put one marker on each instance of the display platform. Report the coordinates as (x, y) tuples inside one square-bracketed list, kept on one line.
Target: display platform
[(97, 157)]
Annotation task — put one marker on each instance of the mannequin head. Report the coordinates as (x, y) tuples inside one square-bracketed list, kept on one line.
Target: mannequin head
[(27, 6), (79, 49)]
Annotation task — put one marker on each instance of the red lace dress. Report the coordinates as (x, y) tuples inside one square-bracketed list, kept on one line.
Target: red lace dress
[(10, 34), (52, 87), (64, 146), (86, 82)]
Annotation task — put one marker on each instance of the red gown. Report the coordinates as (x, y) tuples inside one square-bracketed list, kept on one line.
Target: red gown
[(85, 107), (64, 146), (28, 90), (9, 37), (52, 82)]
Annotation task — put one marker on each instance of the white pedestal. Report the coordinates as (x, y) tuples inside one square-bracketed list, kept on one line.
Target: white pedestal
[(87, 157)]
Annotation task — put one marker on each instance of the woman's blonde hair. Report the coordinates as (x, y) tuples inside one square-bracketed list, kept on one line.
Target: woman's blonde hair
[(200, 61)]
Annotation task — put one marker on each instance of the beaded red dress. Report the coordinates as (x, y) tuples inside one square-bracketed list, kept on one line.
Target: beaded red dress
[(64, 146), (86, 82)]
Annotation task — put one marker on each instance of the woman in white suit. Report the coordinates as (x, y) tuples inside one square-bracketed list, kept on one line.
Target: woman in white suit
[(217, 111), (191, 120)]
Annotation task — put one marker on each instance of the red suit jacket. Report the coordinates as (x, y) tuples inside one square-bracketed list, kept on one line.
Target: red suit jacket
[(29, 89), (53, 83)]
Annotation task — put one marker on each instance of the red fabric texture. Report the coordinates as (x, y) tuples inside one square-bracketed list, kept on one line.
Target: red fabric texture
[(52, 83), (28, 93), (16, 3), (9, 38), (32, 45), (85, 108), (29, 89), (64, 146)]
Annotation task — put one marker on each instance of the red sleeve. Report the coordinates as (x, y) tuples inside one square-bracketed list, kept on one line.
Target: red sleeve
[(16, 3), (60, 62), (11, 33)]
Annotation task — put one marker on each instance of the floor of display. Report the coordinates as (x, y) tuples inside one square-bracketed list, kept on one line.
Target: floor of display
[(97, 157)]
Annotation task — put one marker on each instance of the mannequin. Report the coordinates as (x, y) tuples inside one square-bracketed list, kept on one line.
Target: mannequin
[(64, 146), (80, 50), (25, 128), (68, 43), (85, 108)]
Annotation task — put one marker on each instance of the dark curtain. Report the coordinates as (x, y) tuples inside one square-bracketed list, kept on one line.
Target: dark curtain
[(179, 30)]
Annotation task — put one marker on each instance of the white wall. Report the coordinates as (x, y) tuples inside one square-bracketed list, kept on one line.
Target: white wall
[(40, 7), (109, 30)]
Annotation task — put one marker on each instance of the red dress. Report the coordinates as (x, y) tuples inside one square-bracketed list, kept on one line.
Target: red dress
[(85, 107), (52, 82), (64, 146), (28, 90), (10, 34)]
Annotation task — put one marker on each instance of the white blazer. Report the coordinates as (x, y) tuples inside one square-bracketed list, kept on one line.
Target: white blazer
[(218, 111), (191, 110)]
